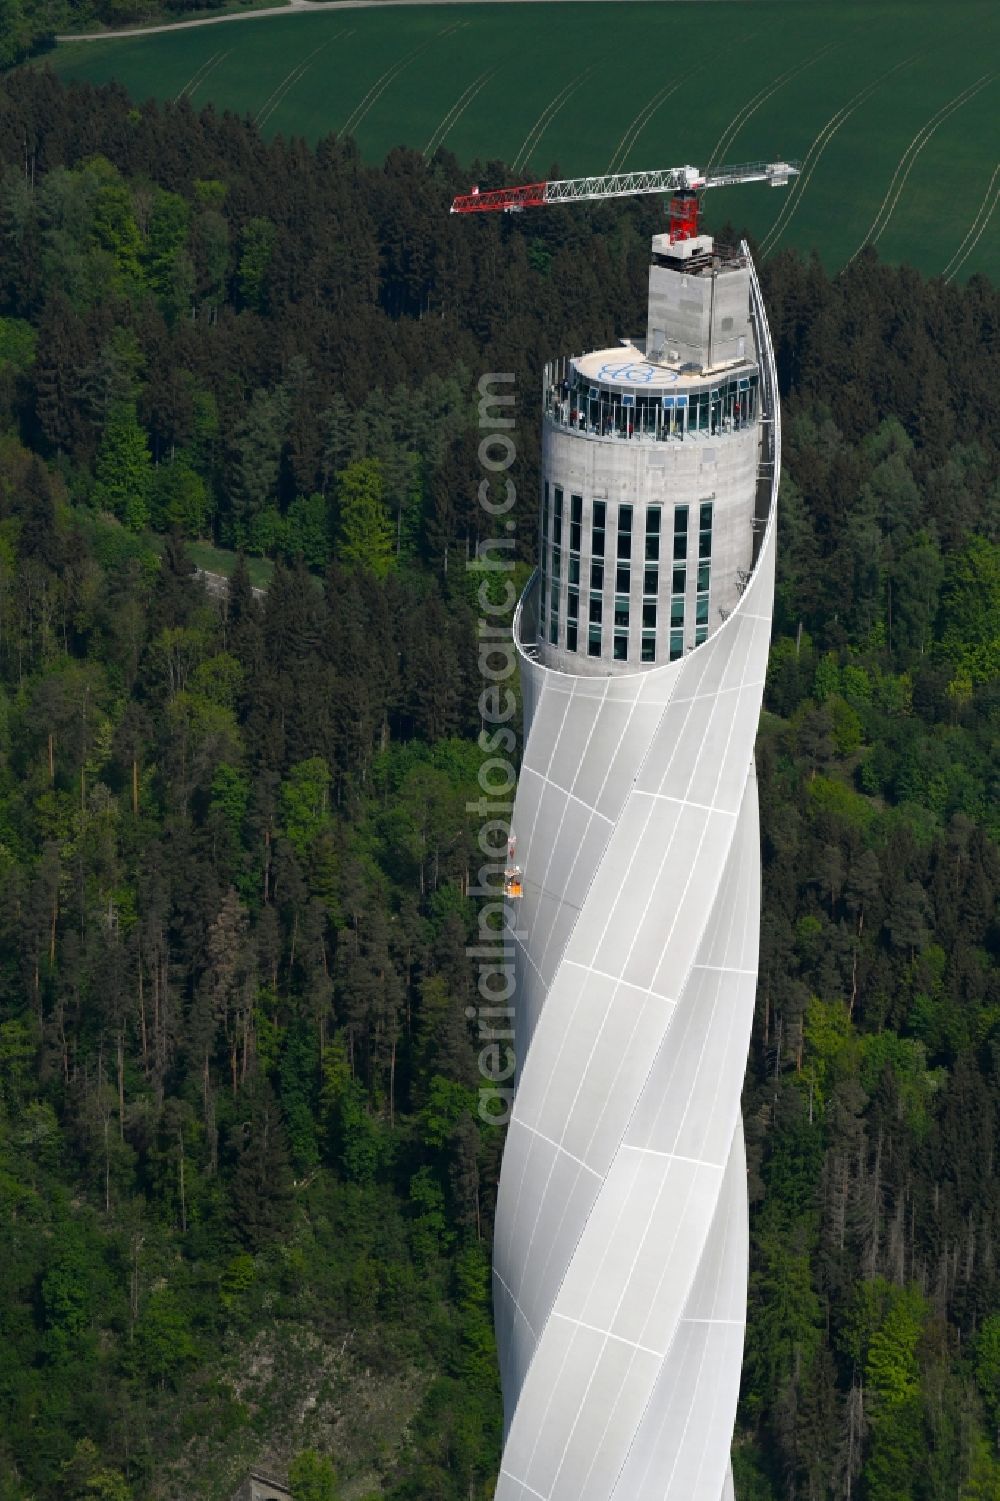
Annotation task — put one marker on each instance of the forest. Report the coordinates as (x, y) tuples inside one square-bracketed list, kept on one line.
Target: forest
[(245, 1192)]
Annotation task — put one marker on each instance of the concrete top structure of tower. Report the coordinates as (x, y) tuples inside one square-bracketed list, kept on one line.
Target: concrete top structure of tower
[(649, 516), (653, 445)]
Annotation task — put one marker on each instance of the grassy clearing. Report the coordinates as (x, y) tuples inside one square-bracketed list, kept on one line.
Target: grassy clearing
[(860, 91), (221, 560)]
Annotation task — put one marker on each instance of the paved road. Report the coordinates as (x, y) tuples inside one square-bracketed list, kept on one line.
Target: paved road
[(294, 7)]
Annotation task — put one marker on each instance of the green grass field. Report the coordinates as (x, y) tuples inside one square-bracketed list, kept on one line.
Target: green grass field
[(893, 105)]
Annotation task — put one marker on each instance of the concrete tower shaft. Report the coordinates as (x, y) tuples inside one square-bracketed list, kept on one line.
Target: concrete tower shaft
[(621, 1236)]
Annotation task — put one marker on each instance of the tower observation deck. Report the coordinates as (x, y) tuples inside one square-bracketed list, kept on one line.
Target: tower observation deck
[(620, 1251)]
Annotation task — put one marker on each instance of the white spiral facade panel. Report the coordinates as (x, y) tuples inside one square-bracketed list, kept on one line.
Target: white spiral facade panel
[(621, 1236)]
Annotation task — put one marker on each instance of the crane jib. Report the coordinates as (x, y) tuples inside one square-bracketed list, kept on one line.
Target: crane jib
[(618, 185)]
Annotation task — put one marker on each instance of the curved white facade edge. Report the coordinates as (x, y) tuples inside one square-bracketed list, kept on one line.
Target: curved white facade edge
[(621, 1235)]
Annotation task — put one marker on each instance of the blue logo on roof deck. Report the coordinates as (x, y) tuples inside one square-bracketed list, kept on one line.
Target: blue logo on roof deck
[(639, 374)]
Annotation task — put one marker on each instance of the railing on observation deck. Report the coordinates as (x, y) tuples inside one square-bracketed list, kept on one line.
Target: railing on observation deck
[(769, 462), (726, 405)]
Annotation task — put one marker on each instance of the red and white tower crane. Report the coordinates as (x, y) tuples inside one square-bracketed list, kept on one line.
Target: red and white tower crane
[(684, 184)]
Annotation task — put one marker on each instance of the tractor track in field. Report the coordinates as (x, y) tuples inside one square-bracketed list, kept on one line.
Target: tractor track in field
[(812, 156), (291, 78), (639, 122), (983, 216), (456, 112), (384, 80), (200, 74), (754, 103), (545, 119), (887, 207)]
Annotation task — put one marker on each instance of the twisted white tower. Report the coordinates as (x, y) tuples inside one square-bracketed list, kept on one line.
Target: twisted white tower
[(621, 1234)]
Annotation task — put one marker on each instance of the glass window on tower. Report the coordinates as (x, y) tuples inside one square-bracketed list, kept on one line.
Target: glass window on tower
[(676, 645), (557, 508), (621, 646), (593, 641), (705, 530), (740, 406), (575, 522), (651, 581), (679, 581), (621, 610), (649, 646), (597, 575), (653, 534), (649, 615), (571, 636), (680, 533), (543, 557), (597, 529), (702, 598), (624, 531), (623, 579)]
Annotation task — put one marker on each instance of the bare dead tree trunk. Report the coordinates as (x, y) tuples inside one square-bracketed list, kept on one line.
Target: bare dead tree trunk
[(156, 1013), (392, 1085), (142, 1016), (777, 1047), (107, 1161), (854, 966), (133, 1300), (180, 1173), (291, 951), (121, 1085)]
